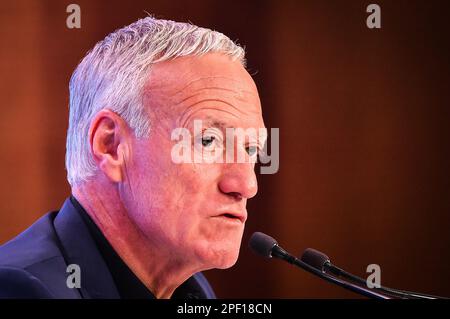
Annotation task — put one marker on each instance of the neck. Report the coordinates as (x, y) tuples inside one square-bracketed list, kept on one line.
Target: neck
[(159, 270)]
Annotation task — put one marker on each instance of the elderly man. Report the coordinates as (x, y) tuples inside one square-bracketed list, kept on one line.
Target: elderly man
[(140, 224)]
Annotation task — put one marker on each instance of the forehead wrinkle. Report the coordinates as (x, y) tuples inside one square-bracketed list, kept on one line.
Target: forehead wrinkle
[(172, 95), (200, 91), (187, 114), (192, 82), (216, 101), (210, 97), (211, 90)]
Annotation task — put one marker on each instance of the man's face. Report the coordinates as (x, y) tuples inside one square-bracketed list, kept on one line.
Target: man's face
[(196, 211)]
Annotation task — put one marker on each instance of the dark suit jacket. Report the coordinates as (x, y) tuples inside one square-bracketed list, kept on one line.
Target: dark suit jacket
[(34, 264)]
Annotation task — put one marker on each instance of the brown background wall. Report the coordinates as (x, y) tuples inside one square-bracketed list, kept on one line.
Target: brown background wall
[(363, 117)]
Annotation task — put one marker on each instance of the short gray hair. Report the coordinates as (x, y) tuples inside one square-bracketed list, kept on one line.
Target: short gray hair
[(113, 75)]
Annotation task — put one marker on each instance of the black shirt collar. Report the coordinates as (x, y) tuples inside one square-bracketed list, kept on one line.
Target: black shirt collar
[(128, 285)]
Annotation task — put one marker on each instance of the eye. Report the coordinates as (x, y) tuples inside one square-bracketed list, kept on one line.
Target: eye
[(251, 150), (208, 140)]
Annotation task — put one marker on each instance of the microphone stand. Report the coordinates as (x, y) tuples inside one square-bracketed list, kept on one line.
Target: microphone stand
[(338, 272), (321, 262), (280, 253)]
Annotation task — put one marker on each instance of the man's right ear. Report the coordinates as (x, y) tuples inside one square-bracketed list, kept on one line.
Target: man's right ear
[(108, 137)]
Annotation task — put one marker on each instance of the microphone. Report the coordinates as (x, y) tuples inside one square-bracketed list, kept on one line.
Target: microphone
[(322, 262), (267, 247)]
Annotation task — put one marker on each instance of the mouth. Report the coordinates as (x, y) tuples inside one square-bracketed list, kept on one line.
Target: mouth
[(232, 216)]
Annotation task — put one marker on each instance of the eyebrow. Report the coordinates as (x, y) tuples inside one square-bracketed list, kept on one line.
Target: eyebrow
[(210, 122), (216, 123)]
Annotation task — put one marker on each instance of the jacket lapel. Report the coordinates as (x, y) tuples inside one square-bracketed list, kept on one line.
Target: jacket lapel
[(79, 248)]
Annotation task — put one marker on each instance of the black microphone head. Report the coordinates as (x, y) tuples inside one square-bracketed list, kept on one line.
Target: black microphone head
[(262, 244), (315, 258)]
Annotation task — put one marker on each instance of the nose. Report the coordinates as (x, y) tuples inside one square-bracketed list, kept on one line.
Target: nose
[(239, 181)]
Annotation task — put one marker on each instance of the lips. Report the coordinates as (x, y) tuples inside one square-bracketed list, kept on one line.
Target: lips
[(238, 216)]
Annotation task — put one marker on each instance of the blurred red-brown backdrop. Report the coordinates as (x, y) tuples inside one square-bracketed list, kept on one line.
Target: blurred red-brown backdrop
[(363, 117)]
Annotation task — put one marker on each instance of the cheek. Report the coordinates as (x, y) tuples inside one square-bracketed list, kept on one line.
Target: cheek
[(171, 202), (195, 197), (174, 201)]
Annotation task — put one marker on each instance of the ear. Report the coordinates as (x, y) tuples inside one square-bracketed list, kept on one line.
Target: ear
[(109, 139)]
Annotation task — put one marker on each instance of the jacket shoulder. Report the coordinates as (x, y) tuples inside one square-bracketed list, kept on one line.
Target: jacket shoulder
[(32, 265), (35, 244), (18, 283)]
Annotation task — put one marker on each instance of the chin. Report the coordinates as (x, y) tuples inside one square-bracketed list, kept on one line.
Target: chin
[(228, 264), (222, 258)]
